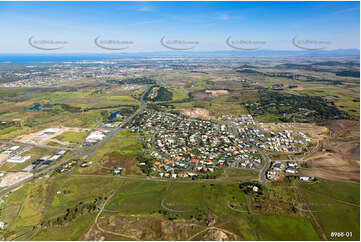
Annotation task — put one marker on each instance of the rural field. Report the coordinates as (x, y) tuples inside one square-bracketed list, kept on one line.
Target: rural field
[(91, 202)]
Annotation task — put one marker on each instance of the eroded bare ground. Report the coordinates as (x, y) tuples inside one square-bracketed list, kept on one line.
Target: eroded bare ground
[(208, 95), (197, 113), (339, 155), (155, 227)]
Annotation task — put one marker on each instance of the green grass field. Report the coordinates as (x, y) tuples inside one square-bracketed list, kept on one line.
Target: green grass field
[(72, 137), (72, 231), (190, 201), (193, 201), (13, 205), (123, 148), (284, 228), (138, 198), (336, 206)]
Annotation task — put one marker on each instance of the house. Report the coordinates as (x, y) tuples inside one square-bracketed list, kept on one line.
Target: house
[(191, 174), (305, 178), (117, 171), (276, 167), (86, 164), (291, 170), (292, 164)]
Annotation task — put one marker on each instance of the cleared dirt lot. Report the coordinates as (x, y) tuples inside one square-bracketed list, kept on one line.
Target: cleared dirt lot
[(41, 138), (208, 95), (13, 177), (339, 155), (197, 113), (143, 228), (315, 132)]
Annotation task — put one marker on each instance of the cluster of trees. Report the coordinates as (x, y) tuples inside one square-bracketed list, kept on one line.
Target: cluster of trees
[(249, 71), (132, 107), (160, 106), (60, 107), (310, 108), (71, 213), (148, 160), (7, 124), (348, 73), (209, 175), (197, 214), (163, 94), (247, 188), (299, 77), (137, 80)]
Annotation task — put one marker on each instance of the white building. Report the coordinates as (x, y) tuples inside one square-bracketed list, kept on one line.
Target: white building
[(19, 159), (13, 148), (95, 136)]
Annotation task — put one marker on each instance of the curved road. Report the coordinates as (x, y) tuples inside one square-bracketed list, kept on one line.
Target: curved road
[(262, 173)]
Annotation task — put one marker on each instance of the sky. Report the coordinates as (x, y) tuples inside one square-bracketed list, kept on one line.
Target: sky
[(199, 26)]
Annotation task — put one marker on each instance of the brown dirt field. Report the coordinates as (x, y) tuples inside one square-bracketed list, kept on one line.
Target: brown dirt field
[(113, 160), (315, 132), (214, 235), (197, 113), (216, 93), (299, 88), (344, 127), (208, 95), (14, 177), (342, 176), (155, 227), (339, 155), (349, 149)]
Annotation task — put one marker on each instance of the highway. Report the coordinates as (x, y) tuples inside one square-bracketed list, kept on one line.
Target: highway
[(81, 152)]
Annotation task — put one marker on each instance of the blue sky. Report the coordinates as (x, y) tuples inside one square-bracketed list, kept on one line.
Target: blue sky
[(208, 23)]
